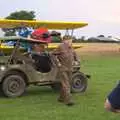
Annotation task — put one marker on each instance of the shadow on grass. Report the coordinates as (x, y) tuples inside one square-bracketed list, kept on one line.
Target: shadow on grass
[(34, 91), (42, 91)]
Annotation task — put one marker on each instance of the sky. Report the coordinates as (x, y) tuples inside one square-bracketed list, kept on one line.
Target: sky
[(103, 16)]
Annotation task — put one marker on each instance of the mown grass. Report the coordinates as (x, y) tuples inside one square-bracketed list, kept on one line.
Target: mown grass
[(40, 103)]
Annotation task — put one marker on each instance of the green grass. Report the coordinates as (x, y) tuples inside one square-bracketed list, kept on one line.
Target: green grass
[(40, 103)]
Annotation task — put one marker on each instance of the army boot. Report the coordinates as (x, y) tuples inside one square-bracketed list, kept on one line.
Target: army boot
[(68, 101), (60, 99)]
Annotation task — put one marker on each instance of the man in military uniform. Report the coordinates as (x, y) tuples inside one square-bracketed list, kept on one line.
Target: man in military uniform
[(65, 55)]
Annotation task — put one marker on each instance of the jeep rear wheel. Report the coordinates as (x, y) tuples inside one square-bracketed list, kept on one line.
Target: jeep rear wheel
[(13, 86), (79, 82)]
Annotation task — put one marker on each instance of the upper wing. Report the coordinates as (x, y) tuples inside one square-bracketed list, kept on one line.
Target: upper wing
[(6, 23)]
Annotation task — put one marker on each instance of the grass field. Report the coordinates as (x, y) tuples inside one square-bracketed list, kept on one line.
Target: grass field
[(40, 103)]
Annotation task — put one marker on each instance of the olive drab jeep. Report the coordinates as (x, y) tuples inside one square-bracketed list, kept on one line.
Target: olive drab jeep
[(19, 70)]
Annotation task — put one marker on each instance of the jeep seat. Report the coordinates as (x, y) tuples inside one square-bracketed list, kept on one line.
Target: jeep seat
[(42, 62)]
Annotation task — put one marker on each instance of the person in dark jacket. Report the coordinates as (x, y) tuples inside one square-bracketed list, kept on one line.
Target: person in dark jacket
[(112, 102), (41, 58)]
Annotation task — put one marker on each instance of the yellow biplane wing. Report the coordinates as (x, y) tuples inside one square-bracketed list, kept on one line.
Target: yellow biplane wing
[(6, 23), (59, 25)]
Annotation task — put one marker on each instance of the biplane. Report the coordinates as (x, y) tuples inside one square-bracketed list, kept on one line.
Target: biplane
[(51, 25)]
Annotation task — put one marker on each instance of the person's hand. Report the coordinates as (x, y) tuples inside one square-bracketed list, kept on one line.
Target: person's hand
[(76, 62), (59, 65)]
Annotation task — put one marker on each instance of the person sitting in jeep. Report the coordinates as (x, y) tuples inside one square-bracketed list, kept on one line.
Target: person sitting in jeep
[(41, 58), (39, 49)]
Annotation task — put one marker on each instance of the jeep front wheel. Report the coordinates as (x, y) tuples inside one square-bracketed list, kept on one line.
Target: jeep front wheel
[(13, 86)]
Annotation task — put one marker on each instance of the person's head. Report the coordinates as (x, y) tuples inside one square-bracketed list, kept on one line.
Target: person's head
[(68, 40), (39, 47)]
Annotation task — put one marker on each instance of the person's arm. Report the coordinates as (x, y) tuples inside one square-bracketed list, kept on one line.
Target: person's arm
[(76, 58), (57, 52)]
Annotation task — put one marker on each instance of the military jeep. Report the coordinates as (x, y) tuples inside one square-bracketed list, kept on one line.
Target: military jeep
[(18, 71)]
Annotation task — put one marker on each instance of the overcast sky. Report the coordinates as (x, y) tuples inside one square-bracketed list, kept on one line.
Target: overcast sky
[(103, 16)]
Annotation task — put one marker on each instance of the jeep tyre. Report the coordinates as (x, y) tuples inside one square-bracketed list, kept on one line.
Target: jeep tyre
[(79, 82), (13, 86)]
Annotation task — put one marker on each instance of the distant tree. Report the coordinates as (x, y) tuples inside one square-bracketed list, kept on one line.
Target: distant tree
[(101, 36), (18, 15), (110, 36), (22, 15), (83, 38)]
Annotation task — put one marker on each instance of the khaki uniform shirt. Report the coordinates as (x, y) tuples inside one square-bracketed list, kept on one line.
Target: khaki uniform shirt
[(66, 55)]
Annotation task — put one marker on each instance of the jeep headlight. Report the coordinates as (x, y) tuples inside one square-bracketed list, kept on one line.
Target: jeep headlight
[(2, 68)]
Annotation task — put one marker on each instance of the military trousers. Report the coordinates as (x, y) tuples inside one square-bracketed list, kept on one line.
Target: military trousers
[(65, 92)]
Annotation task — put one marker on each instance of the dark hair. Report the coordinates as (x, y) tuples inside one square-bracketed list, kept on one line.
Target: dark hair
[(54, 33), (45, 35), (66, 37)]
